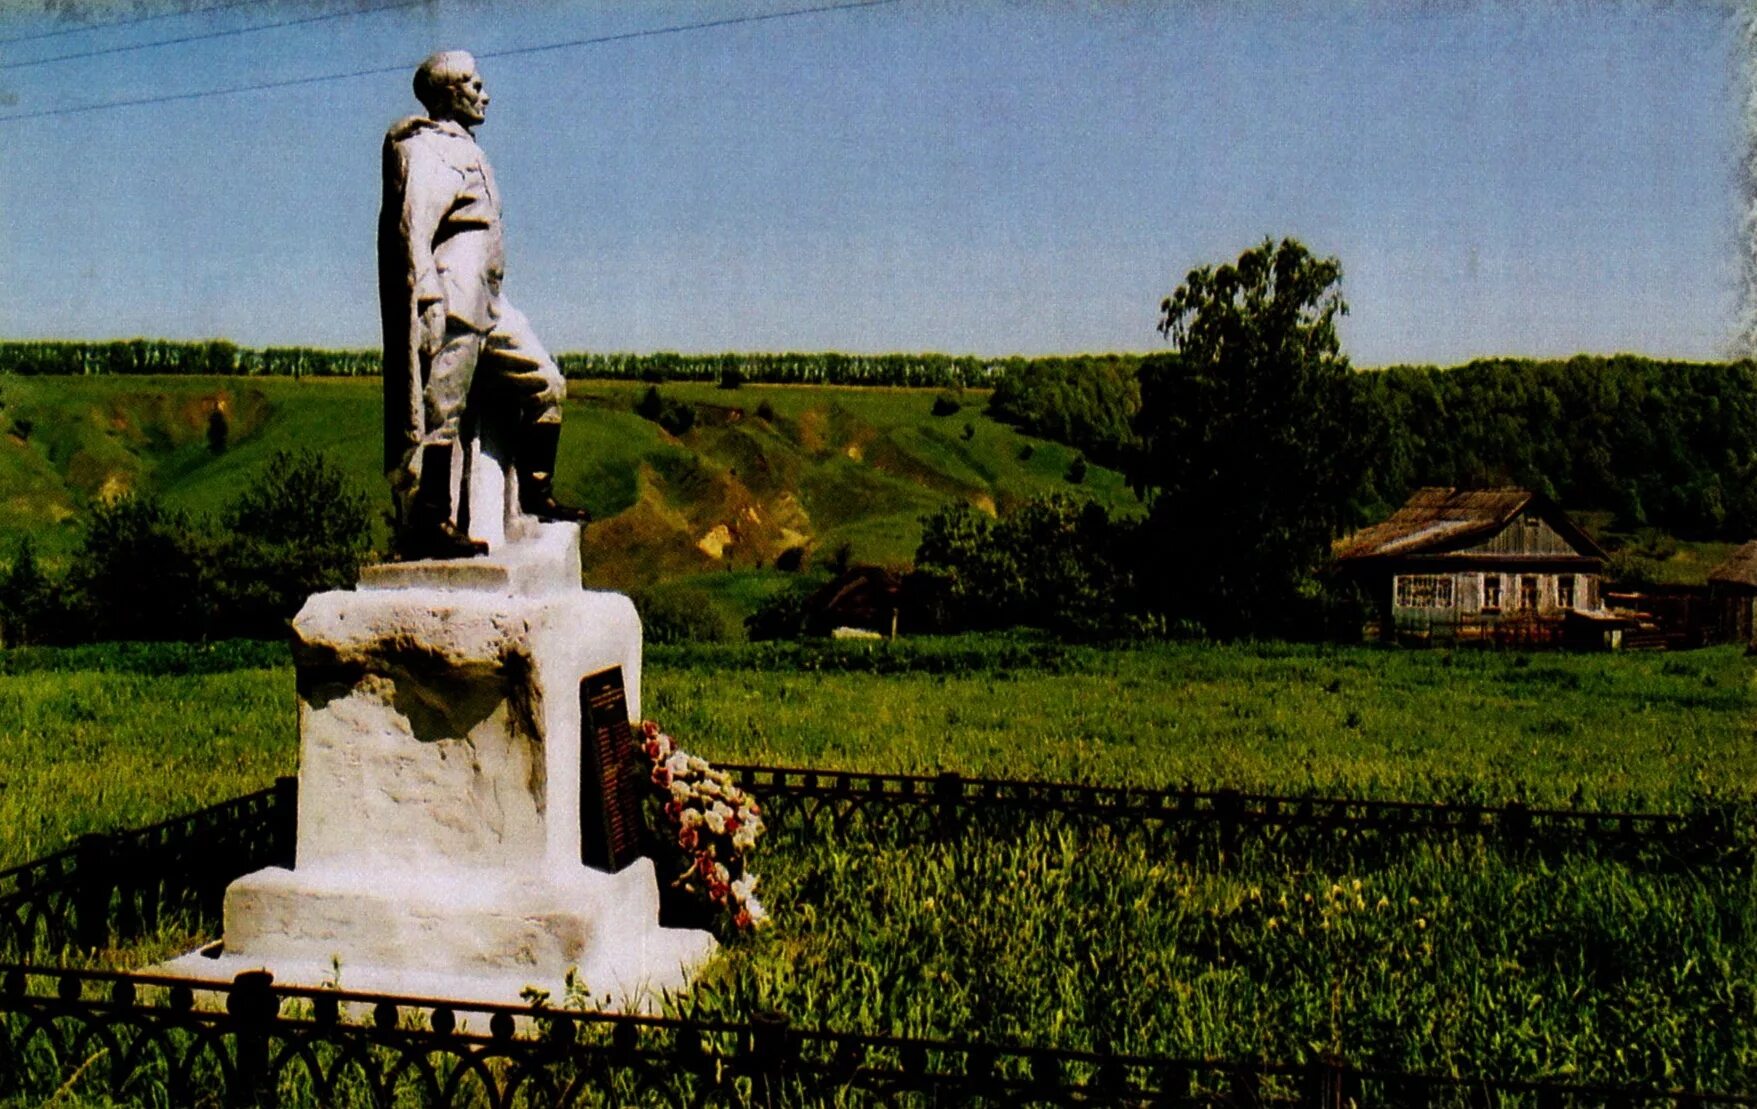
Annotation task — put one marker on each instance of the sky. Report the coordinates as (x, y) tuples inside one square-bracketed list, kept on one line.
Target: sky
[(985, 177)]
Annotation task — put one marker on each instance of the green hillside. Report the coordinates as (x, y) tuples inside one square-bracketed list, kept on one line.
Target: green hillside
[(818, 468)]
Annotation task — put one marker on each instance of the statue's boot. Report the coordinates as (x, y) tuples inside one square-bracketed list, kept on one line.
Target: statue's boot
[(536, 465), (431, 534)]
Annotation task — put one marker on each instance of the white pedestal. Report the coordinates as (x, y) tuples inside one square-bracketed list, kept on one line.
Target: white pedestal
[(439, 794)]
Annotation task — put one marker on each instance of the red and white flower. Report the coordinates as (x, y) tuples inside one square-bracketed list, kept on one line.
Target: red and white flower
[(713, 823)]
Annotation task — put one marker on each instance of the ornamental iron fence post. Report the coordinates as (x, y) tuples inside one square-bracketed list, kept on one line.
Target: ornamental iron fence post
[(770, 1053), (1328, 1077), (1517, 820), (1229, 804), (95, 869), (948, 794), (253, 1007)]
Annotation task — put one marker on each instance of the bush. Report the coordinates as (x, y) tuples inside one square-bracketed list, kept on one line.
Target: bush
[(1054, 563), (782, 615), (946, 405), (675, 417), (684, 616)]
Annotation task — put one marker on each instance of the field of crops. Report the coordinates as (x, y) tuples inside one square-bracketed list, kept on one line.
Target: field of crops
[(1430, 954)]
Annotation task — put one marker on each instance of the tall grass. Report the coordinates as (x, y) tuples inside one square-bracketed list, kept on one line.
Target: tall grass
[(1447, 957), (1450, 955)]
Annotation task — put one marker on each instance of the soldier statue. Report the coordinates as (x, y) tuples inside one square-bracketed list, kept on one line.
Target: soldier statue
[(456, 353)]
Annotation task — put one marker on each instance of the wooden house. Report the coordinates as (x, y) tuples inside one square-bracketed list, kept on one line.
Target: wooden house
[(1732, 596), (1498, 565)]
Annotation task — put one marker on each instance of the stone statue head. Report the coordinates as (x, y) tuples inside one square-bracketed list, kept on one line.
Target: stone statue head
[(448, 85)]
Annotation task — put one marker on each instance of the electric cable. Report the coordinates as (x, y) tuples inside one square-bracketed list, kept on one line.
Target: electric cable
[(230, 32), (291, 82), (84, 27)]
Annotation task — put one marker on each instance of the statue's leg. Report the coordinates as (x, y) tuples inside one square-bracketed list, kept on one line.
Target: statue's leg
[(431, 531), (530, 384)]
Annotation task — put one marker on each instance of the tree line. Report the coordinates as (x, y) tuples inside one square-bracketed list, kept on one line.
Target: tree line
[(1022, 378), (1657, 443), (216, 357), (219, 357)]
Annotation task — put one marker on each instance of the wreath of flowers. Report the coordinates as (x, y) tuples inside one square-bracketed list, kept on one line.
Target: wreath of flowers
[(712, 823)]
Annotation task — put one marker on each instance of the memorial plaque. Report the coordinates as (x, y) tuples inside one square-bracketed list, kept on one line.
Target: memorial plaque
[(610, 803)]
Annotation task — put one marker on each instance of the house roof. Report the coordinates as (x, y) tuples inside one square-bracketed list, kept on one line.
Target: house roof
[(1440, 518), (1740, 567), (859, 591)]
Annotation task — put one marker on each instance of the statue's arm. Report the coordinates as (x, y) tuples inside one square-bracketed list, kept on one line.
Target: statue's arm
[(423, 183)]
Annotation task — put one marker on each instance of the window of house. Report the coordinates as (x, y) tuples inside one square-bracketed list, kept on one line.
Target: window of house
[(1528, 592), (1565, 591), (1491, 592), (1424, 591)]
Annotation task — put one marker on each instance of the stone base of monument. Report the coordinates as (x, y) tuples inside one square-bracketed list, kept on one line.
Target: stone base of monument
[(447, 805)]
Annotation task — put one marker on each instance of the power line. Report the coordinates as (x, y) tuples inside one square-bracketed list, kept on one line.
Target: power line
[(231, 32), (58, 32), (409, 66), (712, 23)]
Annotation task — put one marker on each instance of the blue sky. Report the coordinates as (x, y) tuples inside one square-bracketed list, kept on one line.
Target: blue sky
[(978, 177)]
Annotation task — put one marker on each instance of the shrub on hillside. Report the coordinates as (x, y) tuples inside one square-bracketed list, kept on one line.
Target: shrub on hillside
[(675, 417)]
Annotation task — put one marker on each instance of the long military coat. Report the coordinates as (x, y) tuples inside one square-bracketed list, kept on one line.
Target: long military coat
[(440, 262)]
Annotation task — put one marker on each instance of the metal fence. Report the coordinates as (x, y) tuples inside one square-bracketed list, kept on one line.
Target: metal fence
[(125, 882), (136, 1038), (945, 803)]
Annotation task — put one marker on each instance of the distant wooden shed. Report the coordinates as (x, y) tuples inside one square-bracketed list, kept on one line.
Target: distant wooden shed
[(1504, 565), (866, 597), (1732, 594)]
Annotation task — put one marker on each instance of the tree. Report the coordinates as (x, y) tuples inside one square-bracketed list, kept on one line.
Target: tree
[(144, 571), (1249, 440), (301, 528), (28, 599)]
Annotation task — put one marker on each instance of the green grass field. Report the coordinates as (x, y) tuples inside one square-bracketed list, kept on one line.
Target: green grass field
[(1435, 955), (99, 738)]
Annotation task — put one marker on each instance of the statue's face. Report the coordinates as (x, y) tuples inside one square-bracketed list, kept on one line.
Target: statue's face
[(469, 99)]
